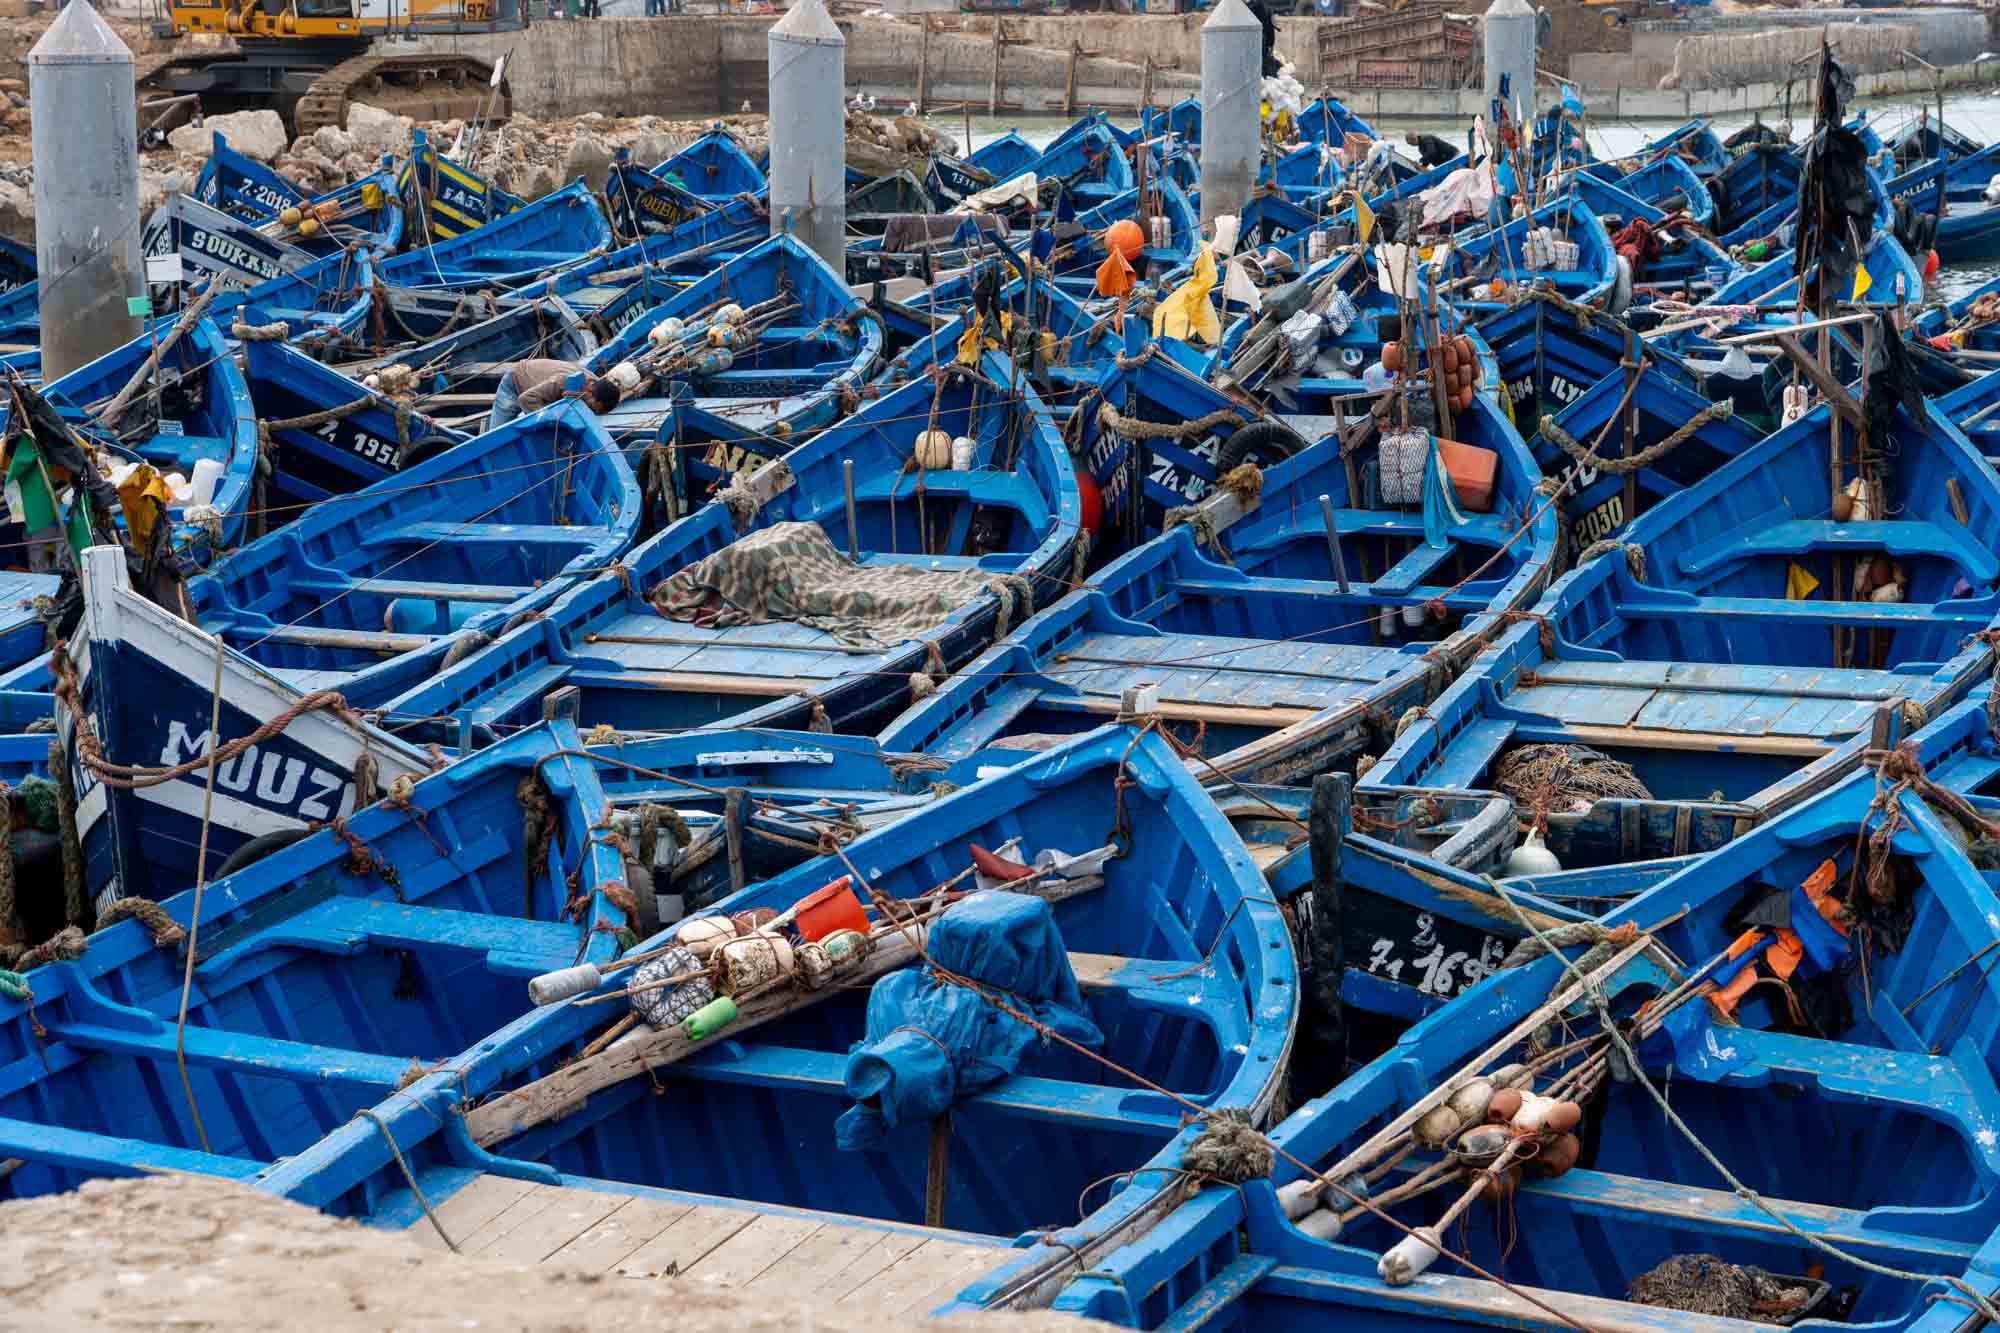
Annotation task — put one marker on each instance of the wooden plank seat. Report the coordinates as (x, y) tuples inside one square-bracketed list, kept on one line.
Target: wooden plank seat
[(1800, 536)]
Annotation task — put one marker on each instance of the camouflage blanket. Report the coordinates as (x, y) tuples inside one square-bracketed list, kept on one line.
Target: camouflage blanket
[(793, 572)]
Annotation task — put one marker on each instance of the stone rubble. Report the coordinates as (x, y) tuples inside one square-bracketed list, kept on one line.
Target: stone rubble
[(525, 156)]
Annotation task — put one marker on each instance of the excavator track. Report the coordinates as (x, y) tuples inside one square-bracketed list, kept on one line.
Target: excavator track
[(423, 87)]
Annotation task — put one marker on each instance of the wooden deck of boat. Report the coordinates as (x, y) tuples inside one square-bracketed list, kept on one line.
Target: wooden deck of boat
[(889, 1268), (1774, 708), (1215, 670)]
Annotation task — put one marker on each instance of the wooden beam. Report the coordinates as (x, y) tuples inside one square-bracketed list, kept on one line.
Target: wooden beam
[(1069, 78), (924, 67), (1702, 742), (643, 1049), (1822, 379), (999, 46)]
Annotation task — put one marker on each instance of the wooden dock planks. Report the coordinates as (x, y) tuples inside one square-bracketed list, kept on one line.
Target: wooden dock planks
[(895, 1271)]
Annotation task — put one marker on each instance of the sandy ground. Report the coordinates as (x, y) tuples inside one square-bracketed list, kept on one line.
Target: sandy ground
[(188, 1252)]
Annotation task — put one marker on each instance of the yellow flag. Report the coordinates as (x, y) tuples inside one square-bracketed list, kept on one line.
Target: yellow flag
[(969, 341), (1862, 282), (1364, 218), (1187, 313), (1799, 584)]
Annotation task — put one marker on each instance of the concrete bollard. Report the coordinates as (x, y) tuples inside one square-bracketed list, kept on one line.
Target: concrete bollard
[(86, 154), (808, 64), (1509, 32), (1232, 85)]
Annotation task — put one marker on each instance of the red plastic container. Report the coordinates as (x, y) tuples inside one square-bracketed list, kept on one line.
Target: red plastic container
[(833, 908)]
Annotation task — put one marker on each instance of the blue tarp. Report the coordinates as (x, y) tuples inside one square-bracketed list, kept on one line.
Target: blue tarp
[(931, 1042)]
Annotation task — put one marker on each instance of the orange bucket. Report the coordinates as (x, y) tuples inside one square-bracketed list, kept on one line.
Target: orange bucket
[(1472, 472), (830, 909)]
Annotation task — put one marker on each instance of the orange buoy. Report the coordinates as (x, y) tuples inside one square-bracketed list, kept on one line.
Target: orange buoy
[(1125, 237), (1392, 357), (1931, 265)]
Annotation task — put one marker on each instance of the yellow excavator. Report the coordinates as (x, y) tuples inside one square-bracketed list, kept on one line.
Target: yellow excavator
[(307, 59)]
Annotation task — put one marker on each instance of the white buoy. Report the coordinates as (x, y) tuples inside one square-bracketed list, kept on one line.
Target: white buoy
[(1232, 80), (1509, 31), (87, 208), (808, 74), (1409, 1257), (564, 982), (1532, 857)]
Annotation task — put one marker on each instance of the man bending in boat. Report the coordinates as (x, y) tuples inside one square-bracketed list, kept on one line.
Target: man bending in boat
[(530, 386)]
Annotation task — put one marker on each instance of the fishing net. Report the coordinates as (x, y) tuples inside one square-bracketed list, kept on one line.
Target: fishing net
[(792, 572), (1564, 778), (1703, 1284)]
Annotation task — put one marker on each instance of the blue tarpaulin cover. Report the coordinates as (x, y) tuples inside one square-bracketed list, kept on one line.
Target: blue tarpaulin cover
[(931, 1043)]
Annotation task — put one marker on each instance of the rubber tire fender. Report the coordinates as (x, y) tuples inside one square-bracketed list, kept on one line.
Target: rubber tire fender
[(1260, 442), (259, 847)]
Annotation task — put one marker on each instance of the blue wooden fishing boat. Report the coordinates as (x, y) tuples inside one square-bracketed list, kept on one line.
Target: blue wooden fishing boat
[(1308, 174), (611, 290), (1759, 187), (1755, 658), (1116, 932), (1322, 372), (1921, 139), (1954, 192), (210, 245), (324, 308), (519, 248), (365, 435), (1004, 156), (641, 202), (795, 350), (1669, 183), (1974, 407), (1475, 263), (715, 167), (366, 212), (1668, 252), (17, 264), (1965, 322), (450, 200), (322, 977), (1328, 120), (367, 595), (1182, 120), (200, 418), (1088, 163), (1625, 413), (998, 537), (1694, 143), (1286, 650), (1806, 983)]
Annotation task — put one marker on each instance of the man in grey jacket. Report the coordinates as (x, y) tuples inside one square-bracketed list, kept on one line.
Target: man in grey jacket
[(530, 386)]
